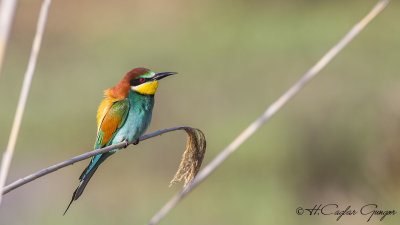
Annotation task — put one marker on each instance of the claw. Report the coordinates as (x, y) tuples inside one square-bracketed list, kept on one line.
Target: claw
[(136, 142)]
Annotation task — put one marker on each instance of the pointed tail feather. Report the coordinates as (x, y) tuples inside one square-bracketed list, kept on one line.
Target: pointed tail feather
[(86, 175)]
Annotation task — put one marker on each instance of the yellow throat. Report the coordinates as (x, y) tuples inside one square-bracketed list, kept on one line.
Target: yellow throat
[(148, 88)]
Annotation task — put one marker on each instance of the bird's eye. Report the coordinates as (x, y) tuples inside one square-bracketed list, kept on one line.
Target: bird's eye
[(138, 81)]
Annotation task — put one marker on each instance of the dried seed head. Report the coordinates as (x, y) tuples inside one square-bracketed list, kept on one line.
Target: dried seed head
[(192, 157)]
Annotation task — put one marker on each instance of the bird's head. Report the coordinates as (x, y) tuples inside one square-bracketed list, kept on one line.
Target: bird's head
[(145, 81), (140, 80)]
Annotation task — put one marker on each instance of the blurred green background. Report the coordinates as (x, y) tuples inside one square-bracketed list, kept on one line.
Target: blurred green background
[(336, 142)]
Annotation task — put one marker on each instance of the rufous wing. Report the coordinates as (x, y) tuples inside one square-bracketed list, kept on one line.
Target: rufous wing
[(111, 116)]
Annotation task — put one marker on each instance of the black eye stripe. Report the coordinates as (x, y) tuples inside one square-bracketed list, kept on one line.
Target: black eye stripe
[(136, 82)]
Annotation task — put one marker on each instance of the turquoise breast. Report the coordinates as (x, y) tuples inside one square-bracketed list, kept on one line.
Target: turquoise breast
[(138, 119)]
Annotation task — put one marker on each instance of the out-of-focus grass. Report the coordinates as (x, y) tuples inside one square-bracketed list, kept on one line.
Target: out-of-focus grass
[(337, 142)]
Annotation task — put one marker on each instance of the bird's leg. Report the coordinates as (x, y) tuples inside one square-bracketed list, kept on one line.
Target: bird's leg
[(136, 141)]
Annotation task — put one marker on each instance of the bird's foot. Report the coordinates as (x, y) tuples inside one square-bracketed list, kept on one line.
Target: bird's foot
[(126, 143), (136, 142)]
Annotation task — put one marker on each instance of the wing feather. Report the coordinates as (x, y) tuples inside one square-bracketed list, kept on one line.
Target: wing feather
[(111, 116)]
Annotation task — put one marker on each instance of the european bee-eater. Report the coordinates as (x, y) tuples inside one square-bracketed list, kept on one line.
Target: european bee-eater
[(124, 114)]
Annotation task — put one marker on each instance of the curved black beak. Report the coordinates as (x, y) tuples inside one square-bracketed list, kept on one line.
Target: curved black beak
[(160, 76)]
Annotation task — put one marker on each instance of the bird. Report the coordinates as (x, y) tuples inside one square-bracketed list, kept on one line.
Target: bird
[(123, 115)]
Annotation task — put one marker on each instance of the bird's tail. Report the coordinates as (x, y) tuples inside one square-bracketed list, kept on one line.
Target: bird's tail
[(86, 175)]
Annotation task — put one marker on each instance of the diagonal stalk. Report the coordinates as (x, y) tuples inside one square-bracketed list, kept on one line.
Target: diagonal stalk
[(270, 111), (8, 154), (84, 156)]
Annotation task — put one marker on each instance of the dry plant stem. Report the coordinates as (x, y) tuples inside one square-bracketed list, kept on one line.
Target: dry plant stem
[(271, 110), (7, 11), (8, 154), (84, 156)]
